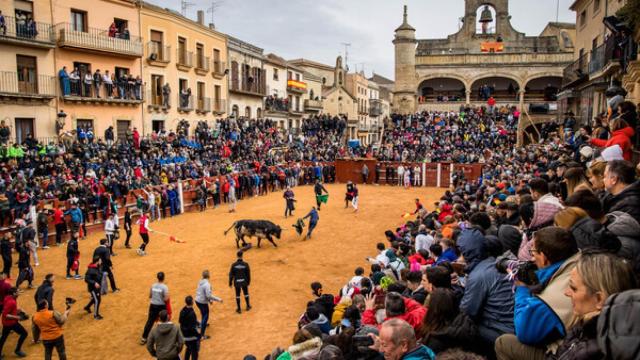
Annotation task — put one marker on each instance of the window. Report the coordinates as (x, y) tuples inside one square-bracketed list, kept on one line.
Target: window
[(27, 74), (78, 20), (183, 84), (121, 25), (200, 55), (85, 124), (120, 72), (596, 6), (121, 129), (157, 125), (83, 69), (182, 50), (297, 77), (583, 17), (24, 127), (156, 89), (156, 44), (216, 61), (289, 75), (275, 74), (324, 81)]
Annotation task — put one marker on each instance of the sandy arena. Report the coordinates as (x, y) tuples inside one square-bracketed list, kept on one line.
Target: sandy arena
[(280, 277)]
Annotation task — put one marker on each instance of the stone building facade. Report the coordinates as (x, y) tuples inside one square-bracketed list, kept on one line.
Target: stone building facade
[(486, 57)]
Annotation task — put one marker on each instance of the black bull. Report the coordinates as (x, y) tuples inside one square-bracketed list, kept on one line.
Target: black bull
[(258, 228)]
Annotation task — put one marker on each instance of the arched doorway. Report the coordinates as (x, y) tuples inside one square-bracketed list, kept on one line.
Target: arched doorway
[(441, 90), (247, 112), (235, 111), (501, 88), (544, 88), (259, 113)]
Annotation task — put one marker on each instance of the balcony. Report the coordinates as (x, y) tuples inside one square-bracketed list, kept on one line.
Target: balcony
[(39, 35), (156, 102), (184, 60), (203, 105), (297, 87), (219, 106), (276, 105), (202, 65), (98, 40), (185, 103), (158, 55), (120, 93), (37, 88), (248, 88), (219, 69), (313, 105), (577, 71)]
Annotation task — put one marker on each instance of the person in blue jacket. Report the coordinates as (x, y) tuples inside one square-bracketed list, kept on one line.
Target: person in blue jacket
[(76, 217), (542, 312), (172, 195), (488, 298), (313, 220)]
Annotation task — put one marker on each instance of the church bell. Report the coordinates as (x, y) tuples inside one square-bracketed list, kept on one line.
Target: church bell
[(486, 16)]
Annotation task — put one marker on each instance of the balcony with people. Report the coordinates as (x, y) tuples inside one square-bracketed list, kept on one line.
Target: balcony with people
[(247, 80), (83, 86), (185, 100), (275, 104), (27, 85), (112, 41), (23, 30)]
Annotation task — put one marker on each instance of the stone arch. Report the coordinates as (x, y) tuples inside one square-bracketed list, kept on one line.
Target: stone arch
[(435, 88), (502, 87), (432, 76), (497, 74), (542, 87), (547, 73)]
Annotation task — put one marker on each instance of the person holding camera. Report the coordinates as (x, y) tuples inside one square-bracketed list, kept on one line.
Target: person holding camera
[(47, 325), (542, 313), (11, 317)]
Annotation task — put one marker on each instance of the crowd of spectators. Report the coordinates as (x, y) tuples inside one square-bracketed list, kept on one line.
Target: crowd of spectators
[(538, 258), (98, 85)]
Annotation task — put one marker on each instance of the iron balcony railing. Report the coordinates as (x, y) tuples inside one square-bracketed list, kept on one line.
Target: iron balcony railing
[(116, 91), (185, 102), (203, 63), (98, 40), (185, 58), (576, 70), (21, 30), (253, 87), (14, 83), (219, 67), (220, 105), (158, 52), (203, 105)]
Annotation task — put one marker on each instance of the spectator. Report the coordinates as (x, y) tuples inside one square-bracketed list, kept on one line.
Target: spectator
[(204, 297), (395, 306), (165, 341), (595, 277), (11, 322), (398, 341), (487, 298), (621, 134), (189, 329), (623, 191), (541, 314), (47, 325), (45, 291)]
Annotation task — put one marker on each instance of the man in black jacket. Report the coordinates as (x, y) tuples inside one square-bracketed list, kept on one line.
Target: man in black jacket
[(45, 291), (240, 276), (189, 327), (93, 278), (318, 189), (72, 253), (623, 190), (104, 254)]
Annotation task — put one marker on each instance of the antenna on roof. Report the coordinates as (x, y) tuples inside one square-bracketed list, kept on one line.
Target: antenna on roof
[(215, 4), (183, 7), (346, 55), (557, 10)]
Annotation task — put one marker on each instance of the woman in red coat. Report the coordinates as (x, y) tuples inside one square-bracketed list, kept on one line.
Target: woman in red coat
[(621, 134)]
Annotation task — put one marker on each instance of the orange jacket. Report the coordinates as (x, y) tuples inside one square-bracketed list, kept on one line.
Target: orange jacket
[(621, 138)]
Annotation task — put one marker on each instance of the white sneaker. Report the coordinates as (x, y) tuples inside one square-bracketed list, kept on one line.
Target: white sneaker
[(139, 251)]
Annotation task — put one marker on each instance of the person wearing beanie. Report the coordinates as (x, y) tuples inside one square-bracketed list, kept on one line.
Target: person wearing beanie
[(240, 277)]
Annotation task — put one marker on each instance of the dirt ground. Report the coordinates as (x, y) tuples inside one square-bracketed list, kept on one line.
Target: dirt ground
[(280, 277)]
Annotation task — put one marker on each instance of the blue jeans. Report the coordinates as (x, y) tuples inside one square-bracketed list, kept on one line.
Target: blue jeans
[(45, 236), (204, 313)]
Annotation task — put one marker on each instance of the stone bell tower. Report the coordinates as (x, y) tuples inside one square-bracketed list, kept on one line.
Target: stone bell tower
[(404, 94), (501, 7)]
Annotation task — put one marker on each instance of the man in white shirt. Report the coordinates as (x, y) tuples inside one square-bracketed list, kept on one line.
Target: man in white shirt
[(382, 258), (423, 240), (110, 231), (400, 175)]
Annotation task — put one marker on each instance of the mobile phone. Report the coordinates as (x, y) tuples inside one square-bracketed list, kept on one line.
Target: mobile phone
[(362, 340)]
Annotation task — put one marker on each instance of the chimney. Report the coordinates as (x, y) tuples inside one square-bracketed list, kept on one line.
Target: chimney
[(212, 26), (201, 17)]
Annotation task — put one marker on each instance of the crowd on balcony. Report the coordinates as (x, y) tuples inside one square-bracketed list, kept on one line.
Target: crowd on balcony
[(115, 32), (274, 103), (538, 258), (449, 136), (100, 85)]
